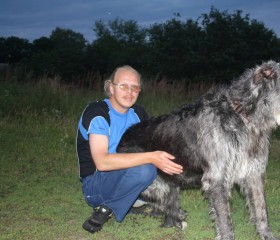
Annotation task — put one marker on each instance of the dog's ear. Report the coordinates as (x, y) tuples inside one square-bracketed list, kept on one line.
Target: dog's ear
[(264, 72)]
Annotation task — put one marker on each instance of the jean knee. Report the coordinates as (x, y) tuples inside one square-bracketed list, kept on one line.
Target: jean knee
[(147, 173)]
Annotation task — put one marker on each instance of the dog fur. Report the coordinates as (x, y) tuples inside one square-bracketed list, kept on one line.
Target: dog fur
[(221, 139)]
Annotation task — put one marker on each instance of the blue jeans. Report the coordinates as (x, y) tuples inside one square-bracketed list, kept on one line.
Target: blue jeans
[(118, 189)]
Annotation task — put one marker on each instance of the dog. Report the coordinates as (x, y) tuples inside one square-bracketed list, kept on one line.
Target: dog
[(221, 140)]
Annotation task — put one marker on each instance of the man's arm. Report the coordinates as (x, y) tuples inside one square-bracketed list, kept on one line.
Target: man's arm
[(105, 161)]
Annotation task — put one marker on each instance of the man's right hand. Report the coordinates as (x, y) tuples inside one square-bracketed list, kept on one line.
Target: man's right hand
[(165, 162)]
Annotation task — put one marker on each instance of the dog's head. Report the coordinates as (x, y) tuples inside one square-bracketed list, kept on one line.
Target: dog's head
[(268, 71), (256, 94), (267, 80)]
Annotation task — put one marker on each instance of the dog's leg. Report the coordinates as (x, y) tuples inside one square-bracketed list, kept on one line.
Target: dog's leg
[(165, 198), (253, 188), (218, 197), (174, 216)]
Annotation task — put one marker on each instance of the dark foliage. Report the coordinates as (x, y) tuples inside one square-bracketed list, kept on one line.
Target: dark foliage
[(215, 47)]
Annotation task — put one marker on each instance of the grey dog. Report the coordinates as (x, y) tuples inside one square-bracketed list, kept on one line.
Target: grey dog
[(222, 139)]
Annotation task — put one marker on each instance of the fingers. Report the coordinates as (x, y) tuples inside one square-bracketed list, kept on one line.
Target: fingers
[(170, 172), (169, 166), (175, 170), (175, 165)]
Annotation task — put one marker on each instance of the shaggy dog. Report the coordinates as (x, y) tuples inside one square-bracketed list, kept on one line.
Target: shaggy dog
[(221, 139)]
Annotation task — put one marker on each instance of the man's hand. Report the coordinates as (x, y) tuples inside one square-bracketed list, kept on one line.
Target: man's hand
[(164, 161)]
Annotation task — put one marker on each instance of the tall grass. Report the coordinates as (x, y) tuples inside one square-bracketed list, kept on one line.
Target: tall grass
[(40, 191)]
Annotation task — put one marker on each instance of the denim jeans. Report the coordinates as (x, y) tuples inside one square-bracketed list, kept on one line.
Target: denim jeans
[(118, 189)]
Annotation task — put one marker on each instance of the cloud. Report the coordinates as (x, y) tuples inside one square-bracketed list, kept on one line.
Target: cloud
[(31, 19)]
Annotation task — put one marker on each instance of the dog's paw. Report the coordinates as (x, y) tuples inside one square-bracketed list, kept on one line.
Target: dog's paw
[(184, 225), (181, 225), (170, 222)]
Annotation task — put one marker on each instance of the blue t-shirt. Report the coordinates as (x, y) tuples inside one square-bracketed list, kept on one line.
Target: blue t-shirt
[(101, 118), (119, 123)]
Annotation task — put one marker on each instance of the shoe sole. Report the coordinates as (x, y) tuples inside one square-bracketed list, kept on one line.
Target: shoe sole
[(96, 222), (91, 227)]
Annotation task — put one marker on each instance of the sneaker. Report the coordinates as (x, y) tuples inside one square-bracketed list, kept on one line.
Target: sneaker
[(92, 228), (139, 203), (101, 215)]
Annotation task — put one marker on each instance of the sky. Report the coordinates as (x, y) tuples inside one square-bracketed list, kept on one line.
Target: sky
[(32, 19)]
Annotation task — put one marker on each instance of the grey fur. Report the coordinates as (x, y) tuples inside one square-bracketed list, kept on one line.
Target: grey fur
[(221, 139)]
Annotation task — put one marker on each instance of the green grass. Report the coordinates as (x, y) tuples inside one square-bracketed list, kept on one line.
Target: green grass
[(40, 193)]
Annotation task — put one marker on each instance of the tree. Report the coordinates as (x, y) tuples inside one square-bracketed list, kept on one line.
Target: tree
[(62, 54), (118, 42), (40, 62), (233, 43), (42, 44), (3, 51), (13, 49), (217, 46), (68, 53), (175, 47)]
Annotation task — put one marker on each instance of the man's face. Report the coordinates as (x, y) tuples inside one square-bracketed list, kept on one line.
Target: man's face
[(125, 89)]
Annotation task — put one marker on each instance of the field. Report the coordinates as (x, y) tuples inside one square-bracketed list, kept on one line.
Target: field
[(40, 191)]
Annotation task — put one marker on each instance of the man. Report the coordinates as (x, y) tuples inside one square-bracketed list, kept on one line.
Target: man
[(111, 181)]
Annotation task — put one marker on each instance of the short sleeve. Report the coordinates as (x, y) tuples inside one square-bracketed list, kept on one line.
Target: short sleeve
[(98, 125)]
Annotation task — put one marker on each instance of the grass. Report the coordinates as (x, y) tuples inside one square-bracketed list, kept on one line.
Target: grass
[(40, 191)]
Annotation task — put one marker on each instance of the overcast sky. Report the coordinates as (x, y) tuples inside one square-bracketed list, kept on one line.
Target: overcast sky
[(32, 19)]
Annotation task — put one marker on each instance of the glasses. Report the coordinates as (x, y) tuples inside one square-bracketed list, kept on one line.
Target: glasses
[(126, 87)]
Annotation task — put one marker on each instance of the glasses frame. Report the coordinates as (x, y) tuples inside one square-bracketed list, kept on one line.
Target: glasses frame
[(126, 87)]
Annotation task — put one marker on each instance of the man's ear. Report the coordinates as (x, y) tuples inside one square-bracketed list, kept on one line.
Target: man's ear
[(111, 89)]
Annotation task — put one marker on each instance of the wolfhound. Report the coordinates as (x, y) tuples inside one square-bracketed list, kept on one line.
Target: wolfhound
[(221, 139)]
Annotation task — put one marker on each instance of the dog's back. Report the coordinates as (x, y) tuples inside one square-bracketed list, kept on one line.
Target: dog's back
[(224, 134), (223, 124)]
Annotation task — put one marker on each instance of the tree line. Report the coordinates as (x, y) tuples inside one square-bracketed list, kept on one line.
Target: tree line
[(215, 47)]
